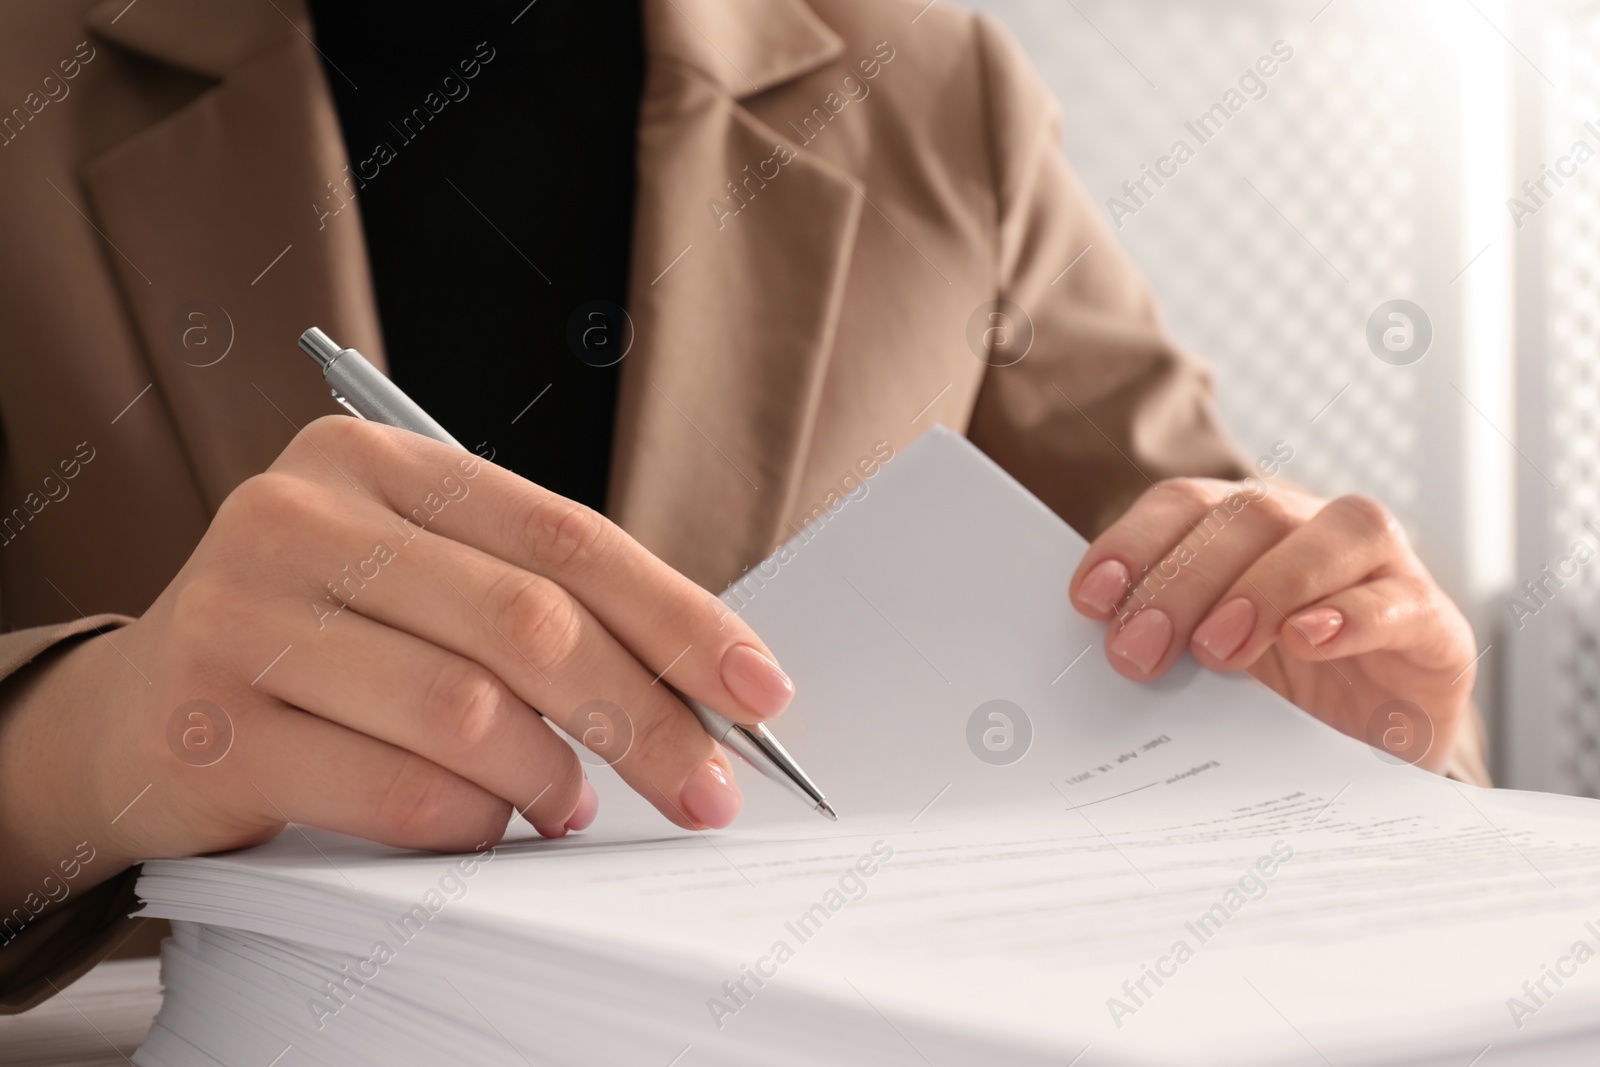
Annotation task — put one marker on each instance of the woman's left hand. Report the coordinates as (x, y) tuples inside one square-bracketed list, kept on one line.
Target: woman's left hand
[(1323, 600)]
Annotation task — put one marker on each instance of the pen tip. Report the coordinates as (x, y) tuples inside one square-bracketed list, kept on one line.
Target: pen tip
[(822, 806)]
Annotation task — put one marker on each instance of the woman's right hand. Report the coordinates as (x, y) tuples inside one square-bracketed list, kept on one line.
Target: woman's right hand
[(368, 636)]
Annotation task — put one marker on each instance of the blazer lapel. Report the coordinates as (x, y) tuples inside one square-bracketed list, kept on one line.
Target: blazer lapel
[(222, 232), (222, 209), (741, 247)]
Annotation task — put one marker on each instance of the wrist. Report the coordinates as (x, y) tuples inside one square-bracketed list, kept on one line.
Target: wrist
[(52, 828)]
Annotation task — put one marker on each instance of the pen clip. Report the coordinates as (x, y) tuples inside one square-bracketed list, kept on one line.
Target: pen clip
[(346, 404)]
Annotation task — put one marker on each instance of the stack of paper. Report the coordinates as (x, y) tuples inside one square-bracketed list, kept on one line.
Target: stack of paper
[(1036, 861)]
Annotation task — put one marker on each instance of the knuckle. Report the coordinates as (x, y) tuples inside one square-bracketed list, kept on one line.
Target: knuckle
[(656, 734), (267, 516), (418, 804), (1369, 517), (269, 500), (463, 708), (568, 535), (542, 621), (1187, 491), (1423, 591), (566, 772), (1286, 583), (1389, 614), (1276, 514), (1420, 604), (565, 785), (699, 616), (340, 433)]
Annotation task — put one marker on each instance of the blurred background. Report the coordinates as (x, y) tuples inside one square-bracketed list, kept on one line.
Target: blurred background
[(1384, 160)]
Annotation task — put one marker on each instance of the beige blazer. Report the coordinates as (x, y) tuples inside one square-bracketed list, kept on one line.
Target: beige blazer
[(832, 196)]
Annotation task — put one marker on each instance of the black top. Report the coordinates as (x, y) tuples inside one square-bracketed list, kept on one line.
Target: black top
[(492, 151)]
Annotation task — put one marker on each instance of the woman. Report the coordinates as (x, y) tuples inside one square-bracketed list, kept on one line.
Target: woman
[(831, 222)]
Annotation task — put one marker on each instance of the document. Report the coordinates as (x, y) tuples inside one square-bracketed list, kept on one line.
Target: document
[(1036, 861)]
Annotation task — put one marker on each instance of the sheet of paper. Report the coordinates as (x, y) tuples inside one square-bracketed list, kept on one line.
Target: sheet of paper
[(1189, 871)]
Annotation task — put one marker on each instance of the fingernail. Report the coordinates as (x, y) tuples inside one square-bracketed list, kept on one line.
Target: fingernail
[(1145, 639), (1226, 628), (709, 796), (1105, 586), (755, 681), (1319, 625), (588, 805)]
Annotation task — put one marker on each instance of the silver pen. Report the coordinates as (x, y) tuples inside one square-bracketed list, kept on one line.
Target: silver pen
[(367, 393)]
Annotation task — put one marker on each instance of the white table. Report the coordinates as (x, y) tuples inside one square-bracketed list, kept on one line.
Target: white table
[(98, 1020)]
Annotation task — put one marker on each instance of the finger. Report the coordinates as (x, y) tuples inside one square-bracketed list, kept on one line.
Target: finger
[(1218, 531), (1402, 619), (296, 767), (1118, 561), (450, 709), (1350, 540), (661, 616), (1399, 613), (528, 631), (554, 655)]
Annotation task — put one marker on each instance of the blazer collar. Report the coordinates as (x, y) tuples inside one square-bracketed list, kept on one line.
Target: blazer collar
[(746, 46), (207, 37)]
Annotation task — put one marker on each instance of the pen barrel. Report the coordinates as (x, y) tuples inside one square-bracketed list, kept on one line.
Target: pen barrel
[(377, 398), (757, 747)]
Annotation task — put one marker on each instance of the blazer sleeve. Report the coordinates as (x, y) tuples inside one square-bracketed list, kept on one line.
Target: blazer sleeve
[(65, 940), (1103, 404)]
